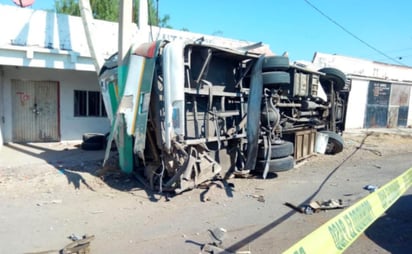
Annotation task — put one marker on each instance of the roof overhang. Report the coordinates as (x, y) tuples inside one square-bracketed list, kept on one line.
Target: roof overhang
[(44, 58)]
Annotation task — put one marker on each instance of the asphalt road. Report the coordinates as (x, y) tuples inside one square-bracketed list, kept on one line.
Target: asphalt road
[(43, 203)]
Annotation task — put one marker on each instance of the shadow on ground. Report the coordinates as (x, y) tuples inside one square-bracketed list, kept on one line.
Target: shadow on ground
[(393, 231), (68, 159), (252, 237)]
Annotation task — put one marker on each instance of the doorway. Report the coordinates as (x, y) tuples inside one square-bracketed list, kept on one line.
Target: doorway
[(35, 111)]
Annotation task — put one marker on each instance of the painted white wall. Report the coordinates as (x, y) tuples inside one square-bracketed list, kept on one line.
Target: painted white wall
[(7, 118), (71, 128), (355, 115), (365, 68), (409, 122), (361, 71), (2, 106)]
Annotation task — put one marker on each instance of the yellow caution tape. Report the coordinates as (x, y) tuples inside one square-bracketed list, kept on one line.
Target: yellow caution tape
[(341, 231)]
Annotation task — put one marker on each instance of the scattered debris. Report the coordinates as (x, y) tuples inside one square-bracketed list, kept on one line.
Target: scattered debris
[(259, 198), (370, 188), (306, 209), (206, 196), (54, 201), (208, 248), (210, 187), (243, 174), (317, 206), (74, 237), (107, 170), (326, 205), (217, 235), (78, 246)]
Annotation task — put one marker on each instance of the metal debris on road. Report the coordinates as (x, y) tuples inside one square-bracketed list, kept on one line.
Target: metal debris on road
[(208, 248), (259, 198), (370, 188), (206, 195), (217, 235), (326, 204), (317, 206), (78, 246), (301, 209)]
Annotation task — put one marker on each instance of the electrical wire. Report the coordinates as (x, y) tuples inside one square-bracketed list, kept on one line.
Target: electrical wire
[(352, 34), (157, 20)]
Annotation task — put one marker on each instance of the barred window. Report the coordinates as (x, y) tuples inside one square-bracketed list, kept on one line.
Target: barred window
[(88, 103)]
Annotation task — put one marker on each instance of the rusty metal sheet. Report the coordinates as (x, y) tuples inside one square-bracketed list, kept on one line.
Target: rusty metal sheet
[(379, 93), (376, 116), (400, 95), (403, 116), (377, 106), (393, 116)]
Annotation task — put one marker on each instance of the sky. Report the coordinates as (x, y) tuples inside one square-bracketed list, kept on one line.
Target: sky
[(378, 30)]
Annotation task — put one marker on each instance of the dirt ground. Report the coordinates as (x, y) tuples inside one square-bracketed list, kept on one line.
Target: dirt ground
[(50, 191)]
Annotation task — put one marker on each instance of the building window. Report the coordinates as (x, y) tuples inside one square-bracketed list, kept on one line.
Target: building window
[(88, 103)]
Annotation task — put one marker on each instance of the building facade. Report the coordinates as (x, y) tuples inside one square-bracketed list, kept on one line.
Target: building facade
[(49, 89), (380, 94), (48, 83)]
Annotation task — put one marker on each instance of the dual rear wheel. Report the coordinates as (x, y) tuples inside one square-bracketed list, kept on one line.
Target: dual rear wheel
[(279, 157)]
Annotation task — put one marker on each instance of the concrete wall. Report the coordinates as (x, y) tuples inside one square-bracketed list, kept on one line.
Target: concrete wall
[(71, 128), (2, 107), (358, 100), (364, 68), (410, 109), (361, 72), (355, 115)]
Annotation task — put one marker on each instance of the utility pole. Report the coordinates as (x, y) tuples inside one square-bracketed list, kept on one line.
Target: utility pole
[(144, 20), (125, 28), (88, 24)]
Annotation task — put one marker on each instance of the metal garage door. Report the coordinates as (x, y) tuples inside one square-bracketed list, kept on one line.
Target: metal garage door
[(35, 111), (398, 106), (378, 104)]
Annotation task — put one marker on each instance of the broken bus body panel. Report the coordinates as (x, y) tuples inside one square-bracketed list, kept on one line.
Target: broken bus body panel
[(191, 111), (128, 105)]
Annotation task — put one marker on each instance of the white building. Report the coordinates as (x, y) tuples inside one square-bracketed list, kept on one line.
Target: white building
[(48, 84), (380, 94)]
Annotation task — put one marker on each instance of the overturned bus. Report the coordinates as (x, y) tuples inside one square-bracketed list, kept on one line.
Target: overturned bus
[(183, 113)]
